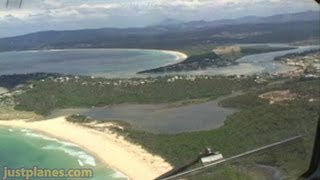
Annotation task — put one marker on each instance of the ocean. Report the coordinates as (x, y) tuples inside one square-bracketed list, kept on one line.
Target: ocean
[(25, 148)]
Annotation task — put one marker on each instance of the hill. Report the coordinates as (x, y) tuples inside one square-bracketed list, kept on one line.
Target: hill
[(176, 35)]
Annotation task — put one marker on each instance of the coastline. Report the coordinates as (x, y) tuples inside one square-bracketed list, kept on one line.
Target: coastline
[(114, 151), (3, 90), (179, 55), (174, 57)]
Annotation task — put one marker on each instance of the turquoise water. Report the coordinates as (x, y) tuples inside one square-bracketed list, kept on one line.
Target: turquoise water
[(25, 148), (98, 62)]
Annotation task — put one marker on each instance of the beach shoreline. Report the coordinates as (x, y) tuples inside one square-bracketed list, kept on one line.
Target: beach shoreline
[(180, 56), (154, 58), (113, 150), (3, 90)]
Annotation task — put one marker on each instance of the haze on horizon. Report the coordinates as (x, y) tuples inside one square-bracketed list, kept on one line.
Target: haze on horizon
[(41, 15)]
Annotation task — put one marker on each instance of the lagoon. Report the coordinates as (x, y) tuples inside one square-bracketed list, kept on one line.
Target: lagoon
[(166, 118), (95, 62)]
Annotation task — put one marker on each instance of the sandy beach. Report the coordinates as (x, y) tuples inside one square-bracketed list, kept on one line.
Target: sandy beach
[(3, 90), (113, 150), (179, 55)]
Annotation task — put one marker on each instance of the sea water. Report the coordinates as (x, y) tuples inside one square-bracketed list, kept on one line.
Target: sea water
[(25, 148)]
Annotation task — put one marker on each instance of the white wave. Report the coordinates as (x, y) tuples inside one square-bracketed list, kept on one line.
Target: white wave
[(25, 130), (40, 136), (81, 155), (66, 147), (10, 130), (179, 56), (118, 174), (80, 162), (53, 50)]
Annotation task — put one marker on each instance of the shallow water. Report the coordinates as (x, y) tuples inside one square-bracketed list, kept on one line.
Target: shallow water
[(26, 148), (257, 63), (266, 60)]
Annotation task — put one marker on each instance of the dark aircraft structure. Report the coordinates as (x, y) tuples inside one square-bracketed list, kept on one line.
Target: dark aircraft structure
[(179, 172), (313, 173)]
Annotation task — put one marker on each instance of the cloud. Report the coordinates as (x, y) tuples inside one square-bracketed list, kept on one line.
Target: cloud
[(68, 8), (36, 15)]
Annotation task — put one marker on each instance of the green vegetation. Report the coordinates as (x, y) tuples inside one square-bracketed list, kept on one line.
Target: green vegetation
[(11, 81), (195, 58), (199, 49), (77, 118), (256, 124), (8, 113), (202, 57), (225, 173), (234, 52), (247, 50), (49, 94), (193, 62), (241, 102)]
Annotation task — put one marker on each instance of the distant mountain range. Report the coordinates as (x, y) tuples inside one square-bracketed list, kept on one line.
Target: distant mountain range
[(280, 18), (174, 34)]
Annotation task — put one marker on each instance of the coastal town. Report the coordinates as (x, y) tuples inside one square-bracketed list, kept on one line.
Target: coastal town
[(308, 63)]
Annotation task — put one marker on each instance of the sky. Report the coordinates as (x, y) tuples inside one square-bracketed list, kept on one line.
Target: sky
[(40, 15)]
